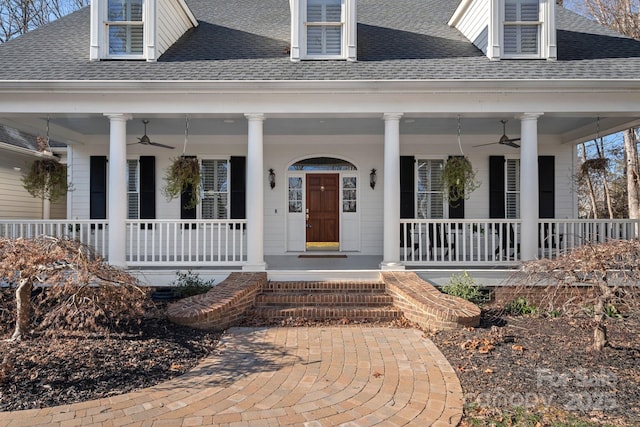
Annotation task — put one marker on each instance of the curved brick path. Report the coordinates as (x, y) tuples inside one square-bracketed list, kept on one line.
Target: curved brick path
[(352, 376)]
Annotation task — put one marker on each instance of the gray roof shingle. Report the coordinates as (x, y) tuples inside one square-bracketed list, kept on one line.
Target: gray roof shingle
[(247, 40)]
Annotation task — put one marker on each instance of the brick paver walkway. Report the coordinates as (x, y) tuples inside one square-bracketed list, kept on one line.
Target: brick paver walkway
[(321, 376)]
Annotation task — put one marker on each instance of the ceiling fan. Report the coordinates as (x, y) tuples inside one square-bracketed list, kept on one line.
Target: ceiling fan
[(144, 139), (504, 139)]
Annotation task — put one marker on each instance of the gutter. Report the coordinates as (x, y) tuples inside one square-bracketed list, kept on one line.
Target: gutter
[(27, 151), (319, 86)]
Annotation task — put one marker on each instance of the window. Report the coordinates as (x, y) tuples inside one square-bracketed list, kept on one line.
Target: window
[(430, 189), (215, 188), (295, 194), (125, 28), (522, 28), (133, 189), (349, 194), (512, 188), (324, 26)]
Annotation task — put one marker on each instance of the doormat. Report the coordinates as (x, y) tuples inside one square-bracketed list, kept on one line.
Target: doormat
[(322, 256)]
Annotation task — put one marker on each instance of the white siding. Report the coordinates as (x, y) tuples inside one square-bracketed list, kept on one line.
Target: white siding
[(16, 201), (474, 25), (364, 151), (173, 22)]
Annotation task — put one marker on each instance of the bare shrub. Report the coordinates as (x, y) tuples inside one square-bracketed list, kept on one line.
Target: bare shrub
[(76, 290), (592, 278)]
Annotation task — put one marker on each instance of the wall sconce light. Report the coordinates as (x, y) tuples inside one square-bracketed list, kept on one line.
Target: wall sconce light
[(373, 178), (272, 179)]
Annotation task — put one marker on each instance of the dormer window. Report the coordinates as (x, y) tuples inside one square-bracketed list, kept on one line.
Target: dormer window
[(509, 29), (521, 30), (323, 29), (325, 24), (125, 28)]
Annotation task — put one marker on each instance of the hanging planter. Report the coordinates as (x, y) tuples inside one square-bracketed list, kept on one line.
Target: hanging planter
[(46, 179), (183, 174), (459, 179)]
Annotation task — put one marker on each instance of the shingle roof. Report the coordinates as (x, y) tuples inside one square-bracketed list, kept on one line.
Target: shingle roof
[(248, 39), (22, 139)]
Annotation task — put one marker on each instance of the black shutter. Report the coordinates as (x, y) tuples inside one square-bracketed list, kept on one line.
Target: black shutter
[(147, 187), (185, 198), (98, 187), (456, 209), (238, 187), (496, 187), (546, 187), (407, 187)]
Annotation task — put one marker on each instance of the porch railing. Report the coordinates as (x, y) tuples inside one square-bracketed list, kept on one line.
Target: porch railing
[(460, 241), (89, 232), (498, 241), (558, 236), (186, 242), (150, 242)]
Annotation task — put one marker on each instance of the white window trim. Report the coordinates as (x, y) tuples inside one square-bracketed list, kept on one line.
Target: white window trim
[(99, 48), (547, 48), (299, 25), (445, 203), (228, 192)]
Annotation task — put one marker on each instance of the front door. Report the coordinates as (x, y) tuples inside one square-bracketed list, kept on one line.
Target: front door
[(323, 198)]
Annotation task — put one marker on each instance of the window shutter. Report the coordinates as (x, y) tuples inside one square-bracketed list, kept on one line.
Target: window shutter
[(147, 187), (98, 187), (496, 187), (546, 186), (456, 211), (238, 187), (407, 187)]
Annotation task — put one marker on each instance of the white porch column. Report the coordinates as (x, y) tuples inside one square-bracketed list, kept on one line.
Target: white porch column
[(529, 185), (117, 211), (391, 205), (255, 194)]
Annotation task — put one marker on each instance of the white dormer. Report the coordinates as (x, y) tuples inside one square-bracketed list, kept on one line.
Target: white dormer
[(137, 29), (509, 29), (323, 29)]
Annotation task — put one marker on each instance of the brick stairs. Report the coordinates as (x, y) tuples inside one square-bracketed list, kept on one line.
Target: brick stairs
[(353, 300)]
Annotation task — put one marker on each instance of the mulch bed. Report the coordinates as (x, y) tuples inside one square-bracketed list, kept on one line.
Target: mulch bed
[(43, 371), (542, 364), (539, 363)]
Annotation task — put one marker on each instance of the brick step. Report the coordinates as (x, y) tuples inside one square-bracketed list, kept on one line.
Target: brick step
[(306, 287), (352, 313), (322, 299)]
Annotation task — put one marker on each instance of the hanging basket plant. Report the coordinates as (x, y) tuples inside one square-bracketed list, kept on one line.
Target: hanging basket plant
[(46, 179), (459, 179), (183, 175)]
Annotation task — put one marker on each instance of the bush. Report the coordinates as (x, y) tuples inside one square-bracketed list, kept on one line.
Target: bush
[(189, 284), (520, 306), (464, 286)]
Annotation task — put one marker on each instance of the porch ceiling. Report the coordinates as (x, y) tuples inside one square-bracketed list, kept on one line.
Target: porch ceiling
[(71, 128)]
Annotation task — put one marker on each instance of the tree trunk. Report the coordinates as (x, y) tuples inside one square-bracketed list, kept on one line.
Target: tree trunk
[(23, 303), (633, 180), (600, 328)]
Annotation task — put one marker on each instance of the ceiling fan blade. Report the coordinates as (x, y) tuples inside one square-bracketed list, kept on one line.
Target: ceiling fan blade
[(157, 144), (510, 143), (482, 145)]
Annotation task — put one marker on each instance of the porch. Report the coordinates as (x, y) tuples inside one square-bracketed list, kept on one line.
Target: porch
[(424, 244)]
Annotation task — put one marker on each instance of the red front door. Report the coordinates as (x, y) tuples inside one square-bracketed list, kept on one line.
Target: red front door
[(322, 208)]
